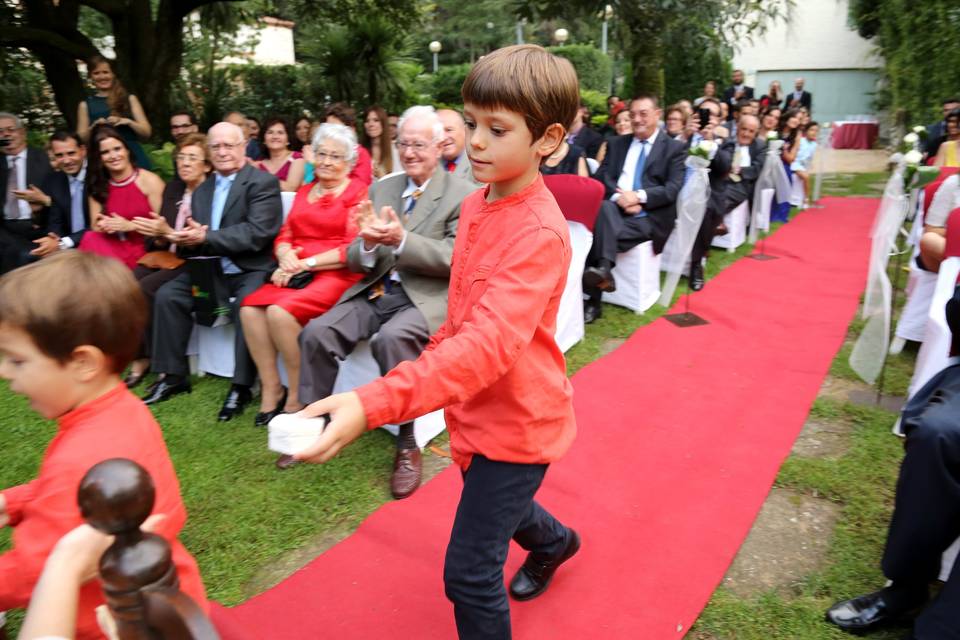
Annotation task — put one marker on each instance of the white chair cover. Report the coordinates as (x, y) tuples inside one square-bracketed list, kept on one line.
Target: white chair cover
[(736, 222), (592, 165), (638, 279), (570, 328), (935, 350), (286, 197), (797, 192)]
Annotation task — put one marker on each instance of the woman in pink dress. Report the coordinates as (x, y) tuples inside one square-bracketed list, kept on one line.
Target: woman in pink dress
[(312, 243), (118, 193), (278, 159)]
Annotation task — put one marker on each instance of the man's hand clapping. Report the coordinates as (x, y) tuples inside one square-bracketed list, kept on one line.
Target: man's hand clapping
[(193, 234), (385, 228), (155, 226)]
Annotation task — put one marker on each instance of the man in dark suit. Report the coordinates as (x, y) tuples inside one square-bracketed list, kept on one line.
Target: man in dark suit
[(403, 297), (937, 132), (926, 515), (642, 175), (21, 170), (583, 135), (61, 200), (739, 91), (799, 97), (235, 217), (746, 153)]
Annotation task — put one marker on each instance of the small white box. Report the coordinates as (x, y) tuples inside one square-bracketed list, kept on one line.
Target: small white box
[(290, 434)]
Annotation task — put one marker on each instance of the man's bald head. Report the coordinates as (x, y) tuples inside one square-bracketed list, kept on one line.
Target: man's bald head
[(227, 143), (747, 128)]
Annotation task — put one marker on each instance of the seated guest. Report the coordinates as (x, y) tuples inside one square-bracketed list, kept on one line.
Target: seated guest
[(642, 175), (712, 223), (161, 264), (253, 149), (621, 127), (383, 154), (675, 123), (725, 114), (393, 119), (801, 164), (937, 132), (73, 376), (926, 514), (182, 123), (21, 167), (773, 97), (312, 246), (342, 113), (118, 191), (769, 121), (303, 132), (277, 158), (254, 129), (568, 158), (404, 254), (62, 202), (453, 149), (947, 155), (789, 130), (746, 152), (235, 216), (687, 106), (583, 135), (695, 131), (933, 242)]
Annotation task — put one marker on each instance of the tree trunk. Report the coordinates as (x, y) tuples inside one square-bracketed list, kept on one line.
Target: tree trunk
[(646, 61), (64, 79)]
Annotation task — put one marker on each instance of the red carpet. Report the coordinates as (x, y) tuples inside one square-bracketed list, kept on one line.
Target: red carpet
[(682, 432)]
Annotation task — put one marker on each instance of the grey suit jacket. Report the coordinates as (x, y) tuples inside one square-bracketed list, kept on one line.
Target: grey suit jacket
[(251, 220), (424, 263), (464, 170)]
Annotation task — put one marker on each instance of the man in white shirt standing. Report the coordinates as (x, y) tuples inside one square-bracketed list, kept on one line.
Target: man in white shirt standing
[(20, 169)]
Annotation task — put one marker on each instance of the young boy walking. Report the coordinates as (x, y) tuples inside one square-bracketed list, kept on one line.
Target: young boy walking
[(69, 325), (494, 363)]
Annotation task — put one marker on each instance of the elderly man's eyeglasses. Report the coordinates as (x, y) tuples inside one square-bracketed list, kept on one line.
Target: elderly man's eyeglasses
[(226, 146), (419, 146)]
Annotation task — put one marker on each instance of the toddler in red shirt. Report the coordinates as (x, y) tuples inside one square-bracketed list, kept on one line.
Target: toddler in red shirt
[(494, 364), (69, 325)]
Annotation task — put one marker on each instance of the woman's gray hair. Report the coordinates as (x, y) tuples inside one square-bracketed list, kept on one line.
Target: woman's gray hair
[(344, 136), (425, 113)]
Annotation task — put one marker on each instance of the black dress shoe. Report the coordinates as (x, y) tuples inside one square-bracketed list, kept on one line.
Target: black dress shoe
[(599, 278), (163, 389), (876, 609), (132, 379), (535, 573), (696, 277), (263, 418), (591, 311), (237, 400)]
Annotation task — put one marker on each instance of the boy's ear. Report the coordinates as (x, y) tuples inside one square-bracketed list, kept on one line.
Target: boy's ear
[(551, 139), (87, 362)]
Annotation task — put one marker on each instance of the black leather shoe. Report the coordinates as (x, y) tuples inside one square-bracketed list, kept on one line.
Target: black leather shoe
[(133, 380), (237, 400), (535, 573), (874, 610), (696, 277), (591, 311), (599, 278), (163, 390), (263, 418)]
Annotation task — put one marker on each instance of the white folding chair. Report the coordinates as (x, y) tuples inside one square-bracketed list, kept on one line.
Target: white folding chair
[(736, 222), (637, 274), (287, 197), (570, 327), (797, 193), (592, 165)]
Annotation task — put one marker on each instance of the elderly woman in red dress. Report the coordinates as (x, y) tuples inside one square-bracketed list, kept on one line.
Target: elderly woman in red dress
[(312, 247)]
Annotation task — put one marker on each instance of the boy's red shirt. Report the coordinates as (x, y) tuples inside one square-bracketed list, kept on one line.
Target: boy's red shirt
[(494, 363), (115, 425)]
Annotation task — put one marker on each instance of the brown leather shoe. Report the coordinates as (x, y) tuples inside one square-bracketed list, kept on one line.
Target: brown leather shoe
[(407, 470), (284, 462)]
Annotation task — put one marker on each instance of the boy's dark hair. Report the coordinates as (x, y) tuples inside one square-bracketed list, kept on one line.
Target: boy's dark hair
[(75, 298), (529, 80), (342, 112)]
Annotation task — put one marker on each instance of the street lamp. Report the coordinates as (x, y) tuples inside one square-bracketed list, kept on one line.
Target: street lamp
[(607, 14), (561, 35), (435, 48)]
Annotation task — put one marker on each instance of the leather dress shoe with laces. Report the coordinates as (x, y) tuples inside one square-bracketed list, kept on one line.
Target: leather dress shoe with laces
[(407, 471), (591, 311), (163, 389), (236, 401), (536, 572), (874, 610), (263, 418), (599, 278), (696, 277)]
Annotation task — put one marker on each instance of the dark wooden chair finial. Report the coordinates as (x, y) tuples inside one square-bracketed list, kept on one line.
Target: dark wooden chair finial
[(137, 572)]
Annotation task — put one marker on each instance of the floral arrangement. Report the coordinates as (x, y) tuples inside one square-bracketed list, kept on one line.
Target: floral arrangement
[(705, 149), (772, 135)]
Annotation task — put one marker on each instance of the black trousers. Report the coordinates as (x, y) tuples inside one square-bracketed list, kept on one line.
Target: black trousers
[(926, 517), (150, 281), (173, 323), (615, 232), (16, 243), (496, 505), (402, 333)]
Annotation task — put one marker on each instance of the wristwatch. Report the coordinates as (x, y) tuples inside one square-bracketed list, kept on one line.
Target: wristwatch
[(311, 262)]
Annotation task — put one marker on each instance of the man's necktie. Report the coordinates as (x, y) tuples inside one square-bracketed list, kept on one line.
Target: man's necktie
[(76, 205), (11, 207), (412, 203), (641, 162), (451, 166)]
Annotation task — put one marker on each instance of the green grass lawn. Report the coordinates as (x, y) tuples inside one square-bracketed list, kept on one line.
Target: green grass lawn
[(244, 515)]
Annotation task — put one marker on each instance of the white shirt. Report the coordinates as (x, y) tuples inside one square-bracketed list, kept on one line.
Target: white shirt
[(21, 158), (744, 151), (66, 242), (625, 181)]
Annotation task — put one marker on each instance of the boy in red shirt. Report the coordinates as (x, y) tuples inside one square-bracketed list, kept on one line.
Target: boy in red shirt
[(69, 325), (494, 364)]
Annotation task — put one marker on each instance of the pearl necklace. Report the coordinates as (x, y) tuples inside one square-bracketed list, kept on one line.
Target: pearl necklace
[(129, 179)]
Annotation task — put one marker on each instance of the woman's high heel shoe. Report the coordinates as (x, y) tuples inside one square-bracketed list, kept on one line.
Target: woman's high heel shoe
[(263, 418)]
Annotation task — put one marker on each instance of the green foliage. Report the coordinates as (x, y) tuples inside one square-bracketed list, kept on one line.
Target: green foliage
[(447, 82), (696, 55), (595, 100), (24, 90), (594, 69), (919, 44), (264, 91)]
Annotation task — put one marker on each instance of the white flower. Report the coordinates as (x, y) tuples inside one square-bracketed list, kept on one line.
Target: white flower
[(913, 157), (919, 129), (911, 138), (773, 135), (708, 146)]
